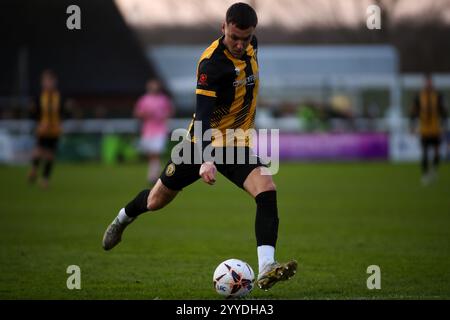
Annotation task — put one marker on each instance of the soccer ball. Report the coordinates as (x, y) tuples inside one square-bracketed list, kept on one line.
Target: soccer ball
[(233, 278)]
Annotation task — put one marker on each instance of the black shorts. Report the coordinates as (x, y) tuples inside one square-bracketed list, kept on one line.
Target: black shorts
[(50, 144), (178, 176), (430, 141)]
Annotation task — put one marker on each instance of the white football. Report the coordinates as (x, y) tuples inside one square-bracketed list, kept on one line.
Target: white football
[(233, 278)]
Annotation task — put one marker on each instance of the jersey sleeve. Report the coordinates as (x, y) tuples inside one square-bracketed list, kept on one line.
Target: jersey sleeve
[(208, 77)]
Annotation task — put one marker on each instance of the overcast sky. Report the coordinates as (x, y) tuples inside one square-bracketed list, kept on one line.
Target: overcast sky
[(291, 14)]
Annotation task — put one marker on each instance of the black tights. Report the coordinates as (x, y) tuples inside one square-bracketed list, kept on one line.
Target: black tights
[(427, 144)]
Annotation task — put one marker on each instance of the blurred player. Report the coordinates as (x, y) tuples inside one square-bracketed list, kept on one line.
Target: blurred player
[(429, 108), (47, 112), (154, 109), (227, 87)]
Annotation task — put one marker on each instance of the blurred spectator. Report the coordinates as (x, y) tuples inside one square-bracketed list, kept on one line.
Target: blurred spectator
[(288, 116), (429, 108), (154, 109), (341, 106), (342, 113), (100, 112), (264, 117), (373, 110), (288, 110), (48, 111), (312, 116)]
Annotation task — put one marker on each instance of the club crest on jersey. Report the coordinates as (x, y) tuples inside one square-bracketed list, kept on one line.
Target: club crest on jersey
[(237, 70), (170, 170), (202, 80)]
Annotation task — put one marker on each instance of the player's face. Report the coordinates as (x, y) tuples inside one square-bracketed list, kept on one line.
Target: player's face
[(237, 40)]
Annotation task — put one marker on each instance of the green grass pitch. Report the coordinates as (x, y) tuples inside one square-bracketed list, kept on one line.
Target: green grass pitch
[(335, 219)]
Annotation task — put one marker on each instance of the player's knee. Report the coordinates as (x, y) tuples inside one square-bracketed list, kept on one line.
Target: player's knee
[(153, 205), (153, 202), (266, 186), (159, 196), (156, 200), (271, 186), (149, 204)]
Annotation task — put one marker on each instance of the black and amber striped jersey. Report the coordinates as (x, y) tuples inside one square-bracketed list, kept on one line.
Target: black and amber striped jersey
[(227, 89), (48, 114), (429, 108)]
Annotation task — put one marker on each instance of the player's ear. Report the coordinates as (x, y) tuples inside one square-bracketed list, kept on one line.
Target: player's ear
[(223, 27)]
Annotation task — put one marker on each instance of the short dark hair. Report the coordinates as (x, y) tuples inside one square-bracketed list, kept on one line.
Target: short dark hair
[(241, 15)]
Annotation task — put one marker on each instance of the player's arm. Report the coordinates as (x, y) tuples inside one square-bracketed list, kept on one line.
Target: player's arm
[(138, 111), (206, 96), (204, 109), (203, 112)]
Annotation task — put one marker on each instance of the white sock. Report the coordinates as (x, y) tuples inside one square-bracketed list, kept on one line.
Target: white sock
[(266, 254), (123, 218)]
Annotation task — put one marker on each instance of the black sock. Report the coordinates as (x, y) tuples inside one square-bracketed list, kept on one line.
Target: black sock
[(48, 166), (266, 223), (425, 161), (436, 159), (138, 205)]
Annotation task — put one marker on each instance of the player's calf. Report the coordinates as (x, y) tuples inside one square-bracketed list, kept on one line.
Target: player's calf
[(159, 196)]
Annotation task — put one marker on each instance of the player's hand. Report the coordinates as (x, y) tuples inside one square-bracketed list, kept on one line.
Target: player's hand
[(208, 172)]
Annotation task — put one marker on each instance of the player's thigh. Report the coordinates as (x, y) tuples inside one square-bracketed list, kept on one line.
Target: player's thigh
[(49, 147), (178, 176), (432, 142), (248, 175), (48, 154), (425, 142), (37, 152), (436, 142), (41, 145)]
